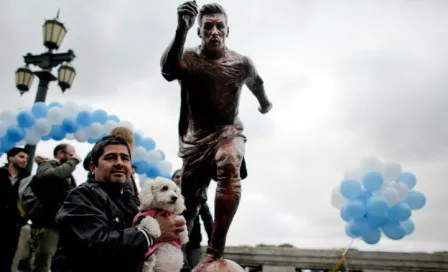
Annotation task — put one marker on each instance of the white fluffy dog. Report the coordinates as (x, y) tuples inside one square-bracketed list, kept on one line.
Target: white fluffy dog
[(161, 194)]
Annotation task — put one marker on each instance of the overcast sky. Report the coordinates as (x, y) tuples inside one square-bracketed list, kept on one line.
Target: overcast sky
[(348, 79)]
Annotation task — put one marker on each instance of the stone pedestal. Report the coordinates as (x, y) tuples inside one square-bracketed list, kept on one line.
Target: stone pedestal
[(272, 268)]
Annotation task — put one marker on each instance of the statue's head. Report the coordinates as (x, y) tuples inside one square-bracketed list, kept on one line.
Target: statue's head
[(213, 29)]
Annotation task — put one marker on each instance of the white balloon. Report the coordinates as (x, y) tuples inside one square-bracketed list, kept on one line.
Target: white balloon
[(390, 194), (126, 124), (9, 117), (32, 136), (71, 109), (153, 156), (391, 171), (402, 191), (96, 129), (82, 134), (353, 174), (166, 166), (3, 128), (109, 126), (55, 116), (69, 136), (337, 199), (139, 154), (86, 107), (369, 164), (42, 126), (21, 143)]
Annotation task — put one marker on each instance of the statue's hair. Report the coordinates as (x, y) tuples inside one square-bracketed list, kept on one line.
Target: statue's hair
[(212, 8)]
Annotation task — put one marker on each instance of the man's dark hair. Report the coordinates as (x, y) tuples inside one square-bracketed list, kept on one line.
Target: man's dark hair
[(208, 9), (98, 148), (14, 151), (59, 147)]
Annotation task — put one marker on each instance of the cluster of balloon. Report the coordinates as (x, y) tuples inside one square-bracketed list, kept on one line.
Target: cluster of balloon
[(377, 198), (71, 121)]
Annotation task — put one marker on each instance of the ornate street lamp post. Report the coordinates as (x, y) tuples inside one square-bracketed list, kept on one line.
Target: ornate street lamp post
[(53, 35)]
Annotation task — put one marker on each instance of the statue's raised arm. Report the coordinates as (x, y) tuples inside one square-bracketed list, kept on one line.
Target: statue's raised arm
[(171, 63)]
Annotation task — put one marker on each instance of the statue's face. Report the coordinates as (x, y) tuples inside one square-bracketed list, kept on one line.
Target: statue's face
[(213, 32)]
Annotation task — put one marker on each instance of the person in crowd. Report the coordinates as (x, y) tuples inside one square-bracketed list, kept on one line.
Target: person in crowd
[(10, 176), (51, 185), (129, 138), (95, 221), (193, 248)]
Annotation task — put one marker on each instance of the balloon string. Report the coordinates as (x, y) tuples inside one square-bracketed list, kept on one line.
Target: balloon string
[(342, 259)]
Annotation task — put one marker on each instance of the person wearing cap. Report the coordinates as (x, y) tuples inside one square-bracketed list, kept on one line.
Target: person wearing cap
[(10, 176)]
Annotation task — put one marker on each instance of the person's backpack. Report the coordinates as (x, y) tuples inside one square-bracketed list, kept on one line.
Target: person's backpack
[(27, 199)]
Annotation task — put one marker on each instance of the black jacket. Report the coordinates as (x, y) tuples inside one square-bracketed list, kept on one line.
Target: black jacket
[(96, 232), (51, 185), (9, 212)]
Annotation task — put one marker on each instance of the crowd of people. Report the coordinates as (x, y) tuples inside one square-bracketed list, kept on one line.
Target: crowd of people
[(86, 227)]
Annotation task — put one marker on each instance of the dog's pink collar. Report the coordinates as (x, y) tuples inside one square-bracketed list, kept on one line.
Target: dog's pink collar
[(177, 243)]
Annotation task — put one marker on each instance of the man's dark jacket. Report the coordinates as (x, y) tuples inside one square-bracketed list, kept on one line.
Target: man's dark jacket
[(96, 232), (9, 196), (51, 185)]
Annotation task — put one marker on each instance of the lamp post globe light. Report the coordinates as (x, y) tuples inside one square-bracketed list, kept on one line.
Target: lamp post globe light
[(53, 36)]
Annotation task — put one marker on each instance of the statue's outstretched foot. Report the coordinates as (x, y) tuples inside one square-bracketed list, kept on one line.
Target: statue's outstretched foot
[(211, 263)]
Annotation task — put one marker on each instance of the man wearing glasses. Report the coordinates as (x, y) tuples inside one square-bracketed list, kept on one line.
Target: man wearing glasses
[(51, 185)]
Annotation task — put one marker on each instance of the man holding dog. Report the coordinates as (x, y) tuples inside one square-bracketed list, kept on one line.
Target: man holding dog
[(95, 222), (212, 144)]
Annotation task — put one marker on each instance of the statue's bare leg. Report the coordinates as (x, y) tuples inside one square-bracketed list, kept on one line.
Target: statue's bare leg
[(228, 193)]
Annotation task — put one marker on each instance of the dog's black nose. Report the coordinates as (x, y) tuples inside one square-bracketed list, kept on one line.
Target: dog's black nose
[(173, 198)]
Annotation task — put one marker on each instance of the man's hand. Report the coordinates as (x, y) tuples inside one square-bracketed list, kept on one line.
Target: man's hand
[(186, 14), (265, 108), (76, 157), (170, 226)]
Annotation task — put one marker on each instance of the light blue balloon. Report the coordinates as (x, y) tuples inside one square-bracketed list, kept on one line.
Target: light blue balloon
[(162, 154), (364, 196), (372, 237), (372, 181), (393, 230), (69, 125), (148, 143), (39, 110), (99, 116), (359, 227), (57, 133), (84, 118), (141, 167), (408, 226), (377, 206), (26, 119), (399, 212), (349, 232), (350, 189), (408, 179), (355, 209), (415, 200), (137, 139), (376, 221), (153, 171), (15, 134), (114, 118), (344, 215)]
